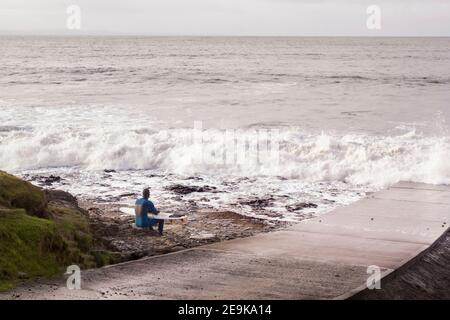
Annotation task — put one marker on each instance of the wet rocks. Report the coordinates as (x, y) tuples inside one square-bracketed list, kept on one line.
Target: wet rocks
[(202, 227), (182, 189), (125, 195), (46, 180), (300, 206), (192, 203), (194, 178), (257, 203), (154, 175), (63, 198)]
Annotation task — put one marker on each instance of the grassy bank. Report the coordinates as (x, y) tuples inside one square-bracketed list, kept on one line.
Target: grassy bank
[(40, 235)]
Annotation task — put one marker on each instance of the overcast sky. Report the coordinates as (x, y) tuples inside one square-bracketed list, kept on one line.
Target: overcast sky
[(227, 17)]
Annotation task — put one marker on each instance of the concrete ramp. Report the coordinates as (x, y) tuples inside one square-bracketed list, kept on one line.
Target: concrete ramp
[(321, 258)]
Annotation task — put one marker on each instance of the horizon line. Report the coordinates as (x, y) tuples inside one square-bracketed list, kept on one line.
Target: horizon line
[(216, 36)]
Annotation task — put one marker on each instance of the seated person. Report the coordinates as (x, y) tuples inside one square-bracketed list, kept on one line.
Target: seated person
[(142, 207)]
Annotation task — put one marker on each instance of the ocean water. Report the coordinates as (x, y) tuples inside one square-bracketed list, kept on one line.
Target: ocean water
[(349, 116)]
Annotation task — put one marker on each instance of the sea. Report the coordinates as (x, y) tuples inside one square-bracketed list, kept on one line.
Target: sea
[(280, 128)]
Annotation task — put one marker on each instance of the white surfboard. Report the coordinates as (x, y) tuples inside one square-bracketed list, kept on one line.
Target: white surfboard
[(159, 216)]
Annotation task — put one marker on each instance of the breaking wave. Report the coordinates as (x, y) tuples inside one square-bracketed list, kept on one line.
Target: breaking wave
[(355, 159)]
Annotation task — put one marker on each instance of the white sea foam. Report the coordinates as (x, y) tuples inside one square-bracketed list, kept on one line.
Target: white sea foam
[(356, 159)]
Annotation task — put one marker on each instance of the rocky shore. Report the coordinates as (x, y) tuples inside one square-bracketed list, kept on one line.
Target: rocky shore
[(201, 227), (93, 233)]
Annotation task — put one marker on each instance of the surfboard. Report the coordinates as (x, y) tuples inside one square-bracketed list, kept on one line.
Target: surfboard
[(159, 216)]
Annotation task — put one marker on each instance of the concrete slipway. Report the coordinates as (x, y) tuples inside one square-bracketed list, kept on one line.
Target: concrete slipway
[(322, 258)]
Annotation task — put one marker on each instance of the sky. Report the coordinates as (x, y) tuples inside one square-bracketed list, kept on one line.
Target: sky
[(227, 17)]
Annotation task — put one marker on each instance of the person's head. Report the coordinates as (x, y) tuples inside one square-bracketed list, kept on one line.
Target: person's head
[(146, 193)]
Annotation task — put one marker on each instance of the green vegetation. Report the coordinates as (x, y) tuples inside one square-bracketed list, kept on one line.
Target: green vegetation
[(30, 247), (16, 193), (40, 239)]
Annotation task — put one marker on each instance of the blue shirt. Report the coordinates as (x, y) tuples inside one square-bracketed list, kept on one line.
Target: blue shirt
[(142, 207)]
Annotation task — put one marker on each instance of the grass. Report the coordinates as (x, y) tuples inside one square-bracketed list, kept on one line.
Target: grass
[(30, 247), (16, 193), (41, 240)]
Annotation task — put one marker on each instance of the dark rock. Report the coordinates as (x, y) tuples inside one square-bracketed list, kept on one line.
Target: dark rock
[(194, 178), (59, 195), (300, 206), (109, 171), (182, 189), (131, 194), (52, 179), (48, 181), (153, 175), (258, 203)]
